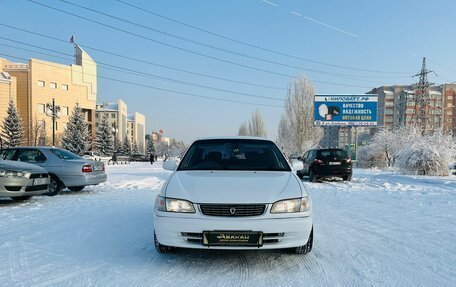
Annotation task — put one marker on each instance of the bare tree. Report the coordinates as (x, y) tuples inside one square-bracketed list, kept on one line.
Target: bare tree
[(297, 132), (243, 130), (255, 127), (36, 131)]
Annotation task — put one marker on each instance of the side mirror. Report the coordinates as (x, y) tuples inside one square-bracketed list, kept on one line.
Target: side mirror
[(297, 165), (299, 158), (170, 165)]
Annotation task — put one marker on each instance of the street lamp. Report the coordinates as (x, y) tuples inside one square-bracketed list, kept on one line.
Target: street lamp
[(53, 111)]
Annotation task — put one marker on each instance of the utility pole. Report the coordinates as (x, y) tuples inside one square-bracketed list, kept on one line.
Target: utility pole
[(421, 117)]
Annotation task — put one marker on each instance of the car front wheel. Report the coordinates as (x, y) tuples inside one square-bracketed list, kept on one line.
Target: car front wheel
[(347, 177), (55, 186), (160, 247), (305, 248)]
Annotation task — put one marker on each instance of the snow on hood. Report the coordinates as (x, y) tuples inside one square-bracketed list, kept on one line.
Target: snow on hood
[(20, 166), (233, 186)]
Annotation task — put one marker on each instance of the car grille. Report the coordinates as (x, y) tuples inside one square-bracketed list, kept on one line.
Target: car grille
[(38, 175), (232, 209), (37, 187)]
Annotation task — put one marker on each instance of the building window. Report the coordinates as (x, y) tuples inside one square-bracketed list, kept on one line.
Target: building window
[(41, 108), (53, 85), (113, 125), (96, 115), (450, 97), (65, 111), (113, 115), (41, 84), (64, 87), (42, 125)]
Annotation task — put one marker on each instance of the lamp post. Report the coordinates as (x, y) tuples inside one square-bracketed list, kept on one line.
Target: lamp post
[(53, 111), (115, 131)]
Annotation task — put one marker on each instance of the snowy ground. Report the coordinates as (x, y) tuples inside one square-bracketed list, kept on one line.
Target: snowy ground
[(381, 229)]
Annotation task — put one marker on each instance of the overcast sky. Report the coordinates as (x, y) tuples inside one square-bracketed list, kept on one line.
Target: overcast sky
[(359, 44)]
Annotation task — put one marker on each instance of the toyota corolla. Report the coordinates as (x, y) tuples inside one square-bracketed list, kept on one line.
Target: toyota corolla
[(233, 193)]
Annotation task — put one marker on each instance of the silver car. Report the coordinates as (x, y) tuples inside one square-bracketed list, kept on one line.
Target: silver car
[(21, 181), (64, 167)]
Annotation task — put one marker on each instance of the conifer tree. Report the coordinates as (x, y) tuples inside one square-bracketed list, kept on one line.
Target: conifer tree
[(126, 147), (76, 136), (104, 139), (150, 146), (12, 127), (135, 149)]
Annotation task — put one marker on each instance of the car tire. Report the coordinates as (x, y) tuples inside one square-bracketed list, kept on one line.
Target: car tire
[(21, 198), (312, 176), (55, 186), (347, 177), (160, 247), (76, 188), (301, 250)]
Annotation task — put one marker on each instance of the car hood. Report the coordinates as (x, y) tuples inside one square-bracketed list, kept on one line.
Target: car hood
[(233, 186), (20, 166)]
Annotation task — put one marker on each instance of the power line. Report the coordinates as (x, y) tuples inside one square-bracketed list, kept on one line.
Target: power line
[(154, 87), (148, 62), (350, 76), (145, 61), (182, 49), (129, 71), (253, 45)]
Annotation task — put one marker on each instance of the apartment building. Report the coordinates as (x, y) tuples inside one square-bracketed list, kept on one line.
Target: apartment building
[(136, 130), (40, 82), (7, 91)]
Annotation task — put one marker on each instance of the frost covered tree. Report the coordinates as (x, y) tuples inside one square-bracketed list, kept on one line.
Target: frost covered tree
[(162, 148), (126, 147), (243, 130), (104, 139), (296, 131), (255, 126), (76, 136), (176, 148), (135, 149), (117, 144), (12, 127), (150, 146)]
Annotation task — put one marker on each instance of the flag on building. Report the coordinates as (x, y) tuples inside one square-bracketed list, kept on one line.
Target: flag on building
[(73, 39)]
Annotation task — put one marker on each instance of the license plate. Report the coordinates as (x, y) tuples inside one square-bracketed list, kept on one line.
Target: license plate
[(97, 168), (232, 238), (334, 163), (40, 181)]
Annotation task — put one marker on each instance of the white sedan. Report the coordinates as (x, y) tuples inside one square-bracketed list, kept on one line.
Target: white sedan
[(233, 193)]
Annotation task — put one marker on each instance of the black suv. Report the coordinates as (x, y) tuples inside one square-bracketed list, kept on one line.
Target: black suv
[(319, 163)]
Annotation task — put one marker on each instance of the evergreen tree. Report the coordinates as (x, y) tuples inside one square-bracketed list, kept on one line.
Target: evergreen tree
[(135, 149), (76, 136), (104, 139), (12, 127), (150, 147), (126, 147)]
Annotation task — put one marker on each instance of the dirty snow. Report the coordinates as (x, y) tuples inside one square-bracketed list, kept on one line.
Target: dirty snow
[(381, 229)]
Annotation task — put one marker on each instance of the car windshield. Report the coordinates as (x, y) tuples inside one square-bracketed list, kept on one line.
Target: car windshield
[(234, 154), (338, 153), (64, 154)]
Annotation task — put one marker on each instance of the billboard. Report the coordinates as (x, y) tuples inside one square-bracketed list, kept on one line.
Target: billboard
[(345, 110)]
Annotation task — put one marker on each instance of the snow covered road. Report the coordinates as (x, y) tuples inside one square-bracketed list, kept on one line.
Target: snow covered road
[(381, 229)]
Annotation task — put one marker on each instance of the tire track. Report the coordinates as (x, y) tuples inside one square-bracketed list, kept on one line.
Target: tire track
[(244, 270)]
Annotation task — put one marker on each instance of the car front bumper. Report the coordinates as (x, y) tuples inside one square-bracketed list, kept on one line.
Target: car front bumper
[(17, 186), (278, 233)]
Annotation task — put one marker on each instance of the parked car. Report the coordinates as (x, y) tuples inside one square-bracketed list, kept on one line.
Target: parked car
[(453, 168), (233, 193), (321, 163), (138, 157), (65, 168), (92, 156), (21, 181)]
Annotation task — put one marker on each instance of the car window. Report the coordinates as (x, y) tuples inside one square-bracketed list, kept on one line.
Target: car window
[(234, 154), (338, 153), (31, 155), (64, 154), (8, 154)]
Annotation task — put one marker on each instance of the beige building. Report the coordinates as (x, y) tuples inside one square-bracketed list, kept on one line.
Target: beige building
[(7, 91), (123, 124), (136, 129), (39, 82)]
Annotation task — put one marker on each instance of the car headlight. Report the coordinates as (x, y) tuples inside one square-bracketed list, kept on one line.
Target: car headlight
[(291, 205), (174, 205), (13, 173)]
